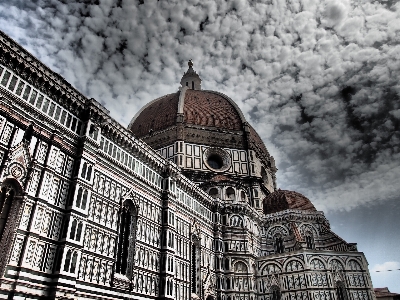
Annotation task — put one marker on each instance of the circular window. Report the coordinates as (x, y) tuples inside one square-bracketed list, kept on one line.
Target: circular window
[(217, 159)]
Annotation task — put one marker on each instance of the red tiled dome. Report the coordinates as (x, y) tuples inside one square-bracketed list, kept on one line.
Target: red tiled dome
[(200, 117), (196, 110), (281, 200), (201, 108)]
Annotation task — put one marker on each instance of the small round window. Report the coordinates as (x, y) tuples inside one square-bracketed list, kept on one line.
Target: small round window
[(217, 159)]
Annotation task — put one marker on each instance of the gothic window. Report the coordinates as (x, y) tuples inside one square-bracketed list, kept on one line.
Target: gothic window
[(79, 197), (10, 204), (70, 261), (341, 291), (195, 265), (127, 238), (86, 172), (76, 231), (279, 245), (89, 173), (7, 195)]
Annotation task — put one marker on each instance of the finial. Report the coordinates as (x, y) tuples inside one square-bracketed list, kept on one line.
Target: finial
[(190, 63)]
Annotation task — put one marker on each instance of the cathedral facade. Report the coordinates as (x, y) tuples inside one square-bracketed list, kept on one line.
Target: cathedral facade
[(182, 204)]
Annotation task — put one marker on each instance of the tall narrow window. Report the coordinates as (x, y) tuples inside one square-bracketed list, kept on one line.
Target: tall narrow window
[(6, 198), (67, 261), (195, 255), (73, 230), (275, 293), (192, 85), (89, 173), (127, 238), (84, 199), (84, 169), (79, 197), (10, 204), (341, 291), (309, 240), (279, 246)]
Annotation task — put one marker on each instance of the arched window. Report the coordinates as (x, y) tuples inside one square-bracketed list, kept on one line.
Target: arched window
[(73, 229), (195, 257), (73, 262), (79, 197), (67, 261), (213, 192), (243, 196), (127, 238), (6, 201), (84, 199), (309, 240), (89, 173), (279, 246), (341, 291), (84, 169), (230, 193), (70, 261), (79, 232)]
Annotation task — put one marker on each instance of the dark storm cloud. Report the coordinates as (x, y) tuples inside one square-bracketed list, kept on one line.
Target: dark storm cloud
[(318, 79)]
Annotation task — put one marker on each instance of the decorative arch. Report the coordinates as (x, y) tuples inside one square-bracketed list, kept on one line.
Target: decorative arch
[(317, 264), (271, 268), (240, 267), (11, 201), (236, 221), (336, 265), (305, 227), (271, 232), (353, 265), (293, 265)]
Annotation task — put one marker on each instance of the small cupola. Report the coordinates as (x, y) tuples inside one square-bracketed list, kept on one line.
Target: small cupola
[(190, 78)]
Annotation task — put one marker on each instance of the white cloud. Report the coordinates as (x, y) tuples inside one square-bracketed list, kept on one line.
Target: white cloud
[(318, 79), (386, 266)]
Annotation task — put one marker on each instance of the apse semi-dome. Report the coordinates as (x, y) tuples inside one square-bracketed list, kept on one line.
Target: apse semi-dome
[(282, 199)]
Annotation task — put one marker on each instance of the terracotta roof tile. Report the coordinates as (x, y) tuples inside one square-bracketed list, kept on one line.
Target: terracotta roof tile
[(281, 200), (212, 110), (157, 116)]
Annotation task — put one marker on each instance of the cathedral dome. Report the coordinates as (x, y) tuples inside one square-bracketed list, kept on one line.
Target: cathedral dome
[(196, 116), (281, 200)]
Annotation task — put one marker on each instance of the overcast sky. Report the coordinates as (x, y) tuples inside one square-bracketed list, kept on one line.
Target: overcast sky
[(319, 80)]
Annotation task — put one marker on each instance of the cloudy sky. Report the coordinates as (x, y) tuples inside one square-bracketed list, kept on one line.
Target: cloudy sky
[(319, 80)]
